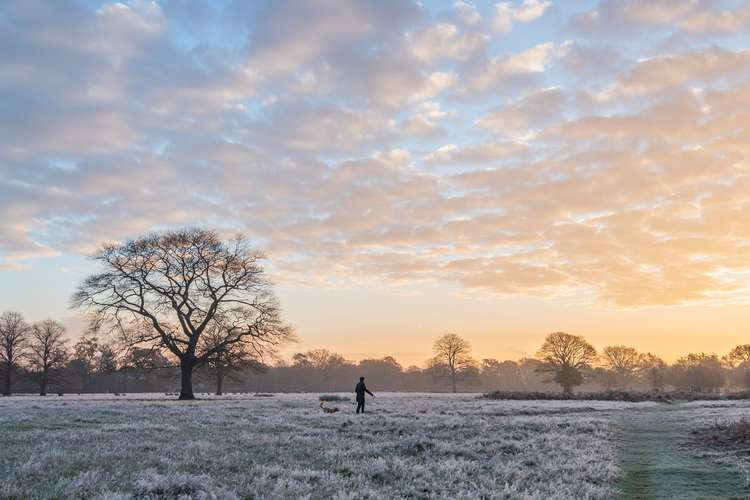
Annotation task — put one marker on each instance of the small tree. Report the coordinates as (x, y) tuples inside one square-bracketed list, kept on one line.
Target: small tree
[(14, 338), (654, 370), (623, 361), (497, 374), (566, 356), (452, 359), (47, 352), (737, 363), (738, 356), (229, 360), (698, 372), (170, 288), (86, 361)]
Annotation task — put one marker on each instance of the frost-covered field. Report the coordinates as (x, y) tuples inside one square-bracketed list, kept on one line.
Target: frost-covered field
[(706, 414), (406, 446)]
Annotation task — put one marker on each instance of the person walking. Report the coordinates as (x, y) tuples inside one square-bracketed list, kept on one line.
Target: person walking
[(360, 390)]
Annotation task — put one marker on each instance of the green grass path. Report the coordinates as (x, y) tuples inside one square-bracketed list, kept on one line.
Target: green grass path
[(657, 464)]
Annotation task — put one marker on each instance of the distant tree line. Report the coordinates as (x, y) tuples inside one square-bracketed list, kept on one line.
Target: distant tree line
[(39, 358)]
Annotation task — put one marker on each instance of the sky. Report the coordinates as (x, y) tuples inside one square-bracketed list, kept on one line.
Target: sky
[(496, 170)]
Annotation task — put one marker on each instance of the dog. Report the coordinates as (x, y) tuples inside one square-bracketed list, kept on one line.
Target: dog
[(328, 410)]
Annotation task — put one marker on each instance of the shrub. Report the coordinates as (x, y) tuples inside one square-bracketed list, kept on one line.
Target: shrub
[(615, 395), (725, 435), (332, 397)]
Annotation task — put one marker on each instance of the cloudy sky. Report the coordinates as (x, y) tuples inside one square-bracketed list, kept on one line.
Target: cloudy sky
[(501, 170)]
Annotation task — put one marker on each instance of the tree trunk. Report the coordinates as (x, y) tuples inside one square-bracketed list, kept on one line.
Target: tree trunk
[(453, 381), (567, 389), (6, 390), (43, 385), (186, 387), (219, 382)]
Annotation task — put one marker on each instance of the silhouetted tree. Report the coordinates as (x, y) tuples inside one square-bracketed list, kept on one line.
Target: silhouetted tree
[(698, 372), (623, 361), (737, 363), (606, 377), (322, 368), (566, 356), (47, 353), (738, 356), (146, 369), (168, 288), (497, 374), (229, 360), (452, 359), (85, 361), (14, 338), (384, 372), (654, 370), (531, 377)]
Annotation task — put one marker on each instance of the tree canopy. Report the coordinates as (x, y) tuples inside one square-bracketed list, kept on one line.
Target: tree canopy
[(566, 356), (169, 288)]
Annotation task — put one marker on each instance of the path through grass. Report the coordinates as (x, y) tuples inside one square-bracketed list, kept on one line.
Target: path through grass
[(657, 463)]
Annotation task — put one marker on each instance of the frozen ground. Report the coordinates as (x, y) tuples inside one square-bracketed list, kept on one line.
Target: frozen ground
[(659, 460), (407, 446)]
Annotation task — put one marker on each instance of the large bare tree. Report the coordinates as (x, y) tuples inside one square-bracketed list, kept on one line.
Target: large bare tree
[(14, 338), (47, 352), (452, 358), (624, 361), (169, 288), (567, 356)]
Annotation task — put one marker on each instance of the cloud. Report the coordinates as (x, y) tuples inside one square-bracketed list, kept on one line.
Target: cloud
[(478, 153), (528, 112), (444, 41), (507, 69), (385, 141), (467, 13), (671, 71), (506, 14), (688, 17)]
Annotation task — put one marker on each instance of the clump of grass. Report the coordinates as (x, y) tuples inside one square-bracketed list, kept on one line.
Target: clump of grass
[(263, 395), (330, 398), (725, 435)]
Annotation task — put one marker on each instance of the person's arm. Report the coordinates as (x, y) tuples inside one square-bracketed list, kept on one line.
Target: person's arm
[(368, 392)]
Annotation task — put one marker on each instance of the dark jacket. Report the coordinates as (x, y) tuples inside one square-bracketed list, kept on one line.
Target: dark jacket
[(361, 389)]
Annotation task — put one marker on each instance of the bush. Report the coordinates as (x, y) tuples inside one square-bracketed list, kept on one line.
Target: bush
[(616, 395), (332, 397), (726, 435)]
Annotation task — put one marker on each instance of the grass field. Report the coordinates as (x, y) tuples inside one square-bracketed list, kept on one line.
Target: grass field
[(406, 446)]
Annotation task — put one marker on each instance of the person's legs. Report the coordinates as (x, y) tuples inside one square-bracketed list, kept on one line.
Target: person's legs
[(360, 406)]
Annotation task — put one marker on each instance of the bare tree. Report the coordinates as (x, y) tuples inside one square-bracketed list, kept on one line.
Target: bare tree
[(654, 370), (86, 355), (452, 358), (231, 359), (623, 361), (323, 367), (47, 352), (739, 356), (567, 356), (737, 363), (698, 372), (169, 288), (14, 337)]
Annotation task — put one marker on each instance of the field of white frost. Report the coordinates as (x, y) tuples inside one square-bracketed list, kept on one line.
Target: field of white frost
[(406, 446)]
